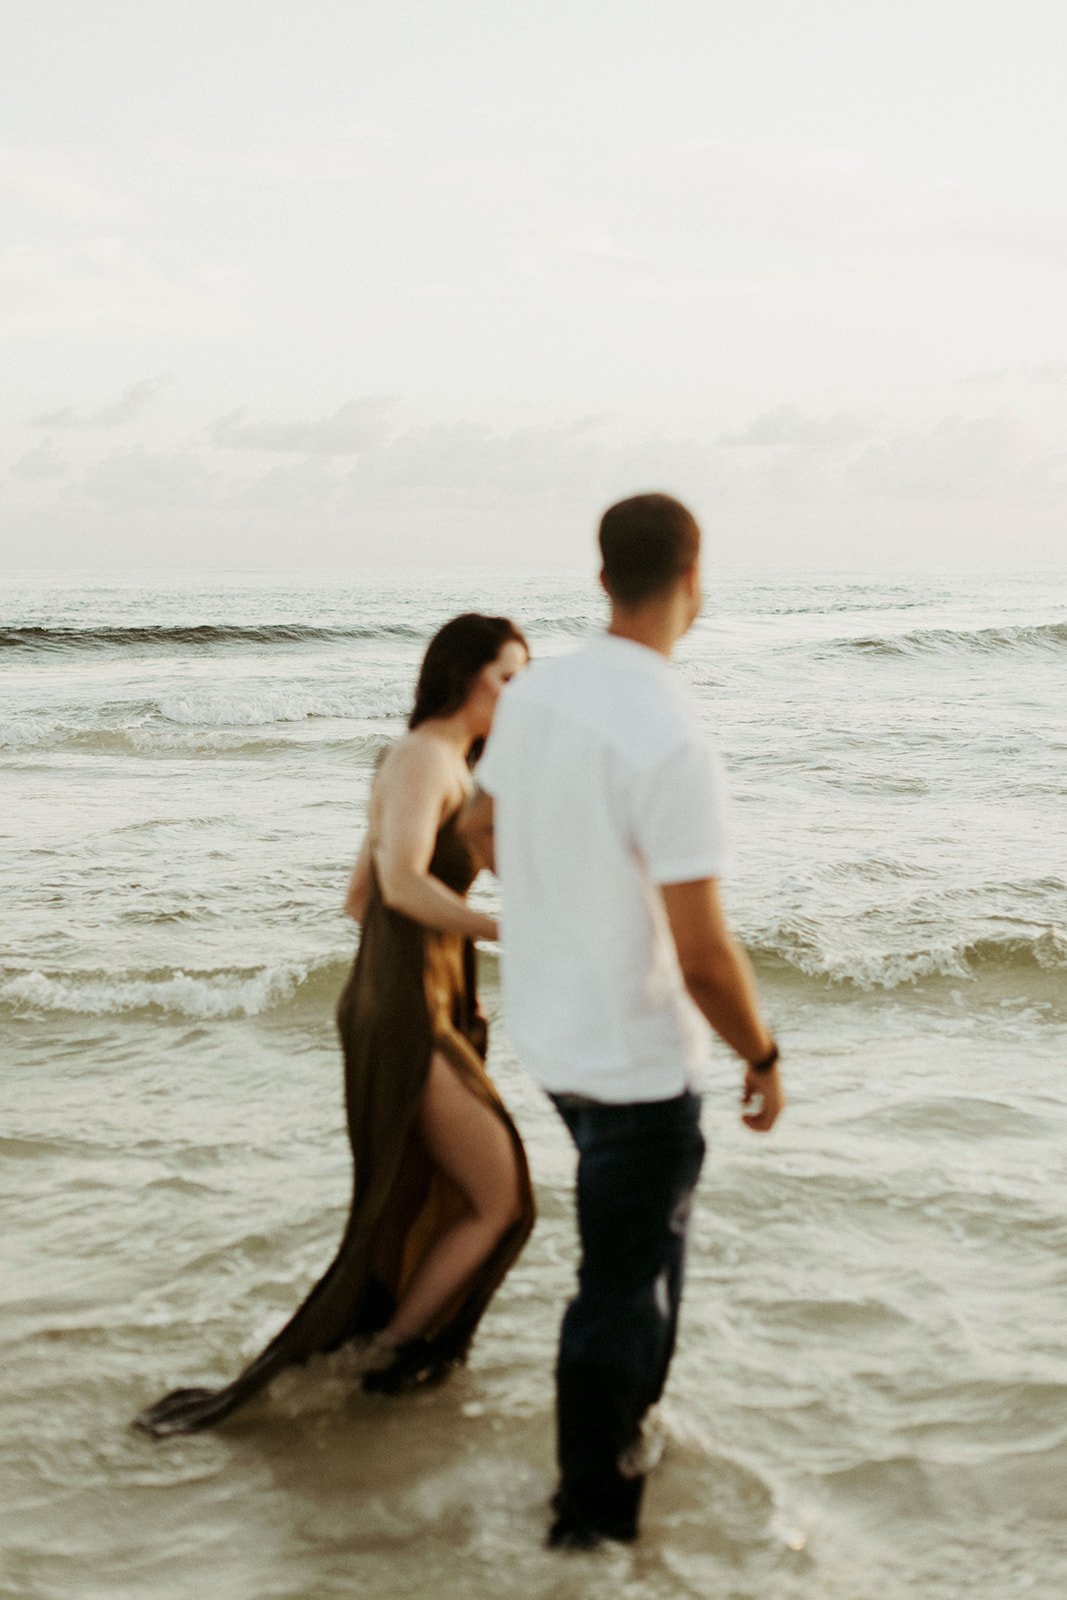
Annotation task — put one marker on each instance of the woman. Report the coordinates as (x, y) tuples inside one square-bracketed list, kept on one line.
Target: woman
[(442, 1202)]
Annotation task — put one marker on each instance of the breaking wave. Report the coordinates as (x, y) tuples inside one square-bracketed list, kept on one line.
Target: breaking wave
[(1045, 636), (1043, 950), (257, 990), (205, 996), (214, 721)]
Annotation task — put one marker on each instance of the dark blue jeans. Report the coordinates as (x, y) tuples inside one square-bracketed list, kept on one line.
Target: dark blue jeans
[(637, 1167)]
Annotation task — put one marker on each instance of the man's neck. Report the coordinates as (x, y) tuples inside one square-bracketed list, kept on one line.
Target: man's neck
[(655, 627)]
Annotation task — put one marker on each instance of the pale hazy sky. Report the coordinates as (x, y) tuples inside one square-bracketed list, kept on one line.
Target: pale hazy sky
[(352, 280)]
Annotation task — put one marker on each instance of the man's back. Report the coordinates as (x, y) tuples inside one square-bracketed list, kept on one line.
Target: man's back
[(601, 805), (604, 787)]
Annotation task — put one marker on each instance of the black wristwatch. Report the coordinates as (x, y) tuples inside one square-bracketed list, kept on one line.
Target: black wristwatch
[(767, 1062)]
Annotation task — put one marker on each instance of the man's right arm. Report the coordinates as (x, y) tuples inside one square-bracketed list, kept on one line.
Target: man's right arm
[(719, 977)]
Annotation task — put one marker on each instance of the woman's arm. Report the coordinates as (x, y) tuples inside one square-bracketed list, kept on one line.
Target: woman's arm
[(418, 789), (476, 827), (358, 896)]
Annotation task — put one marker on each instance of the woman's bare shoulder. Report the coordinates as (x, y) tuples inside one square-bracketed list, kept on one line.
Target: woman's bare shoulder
[(415, 758)]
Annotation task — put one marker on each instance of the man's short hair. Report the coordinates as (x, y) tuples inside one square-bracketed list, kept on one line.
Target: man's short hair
[(646, 542)]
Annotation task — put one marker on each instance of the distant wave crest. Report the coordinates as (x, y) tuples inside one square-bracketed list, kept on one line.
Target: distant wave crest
[(1046, 636), (198, 636), (165, 637)]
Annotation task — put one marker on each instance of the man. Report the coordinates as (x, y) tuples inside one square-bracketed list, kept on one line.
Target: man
[(602, 801)]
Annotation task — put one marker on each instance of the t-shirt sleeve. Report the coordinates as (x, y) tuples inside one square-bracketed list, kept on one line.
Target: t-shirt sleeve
[(680, 816)]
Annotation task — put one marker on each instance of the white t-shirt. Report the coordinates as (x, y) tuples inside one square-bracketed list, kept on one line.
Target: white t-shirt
[(604, 786)]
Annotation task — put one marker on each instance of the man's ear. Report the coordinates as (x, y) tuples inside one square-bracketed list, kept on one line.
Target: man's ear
[(604, 583)]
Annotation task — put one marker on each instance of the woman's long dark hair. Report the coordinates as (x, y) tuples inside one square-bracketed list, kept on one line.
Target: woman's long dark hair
[(454, 657)]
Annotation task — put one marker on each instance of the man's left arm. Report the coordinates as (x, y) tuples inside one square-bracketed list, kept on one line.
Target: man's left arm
[(681, 832)]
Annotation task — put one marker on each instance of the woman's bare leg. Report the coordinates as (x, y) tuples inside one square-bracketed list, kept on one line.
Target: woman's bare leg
[(472, 1146), (405, 1201)]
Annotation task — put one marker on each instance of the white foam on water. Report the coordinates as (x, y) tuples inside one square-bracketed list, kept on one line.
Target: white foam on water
[(1044, 949), (267, 707), (211, 996)]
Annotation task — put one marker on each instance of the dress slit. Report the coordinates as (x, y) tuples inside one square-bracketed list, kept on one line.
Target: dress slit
[(411, 992)]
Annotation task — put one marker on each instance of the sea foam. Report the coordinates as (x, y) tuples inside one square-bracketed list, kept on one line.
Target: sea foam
[(204, 996)]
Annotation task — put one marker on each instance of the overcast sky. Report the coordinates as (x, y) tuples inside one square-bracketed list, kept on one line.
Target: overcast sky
[(433, 280)]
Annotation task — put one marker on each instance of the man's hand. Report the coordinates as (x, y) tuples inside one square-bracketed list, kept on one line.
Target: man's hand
[(766, 1087)]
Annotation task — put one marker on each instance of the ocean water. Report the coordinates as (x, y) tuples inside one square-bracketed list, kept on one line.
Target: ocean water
[(870, 1395)]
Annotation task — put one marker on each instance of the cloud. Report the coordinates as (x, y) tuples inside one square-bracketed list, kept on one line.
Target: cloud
[(43, 461), (443, 490), (132, 401), (155, 478), (990, 375), (65, 417), (1045, 372), (787, 425), (352, 429), (129, 283), (130, 404), (961, 459), (1050, 372), (1004, 237), (467, 461), (33, 184)]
